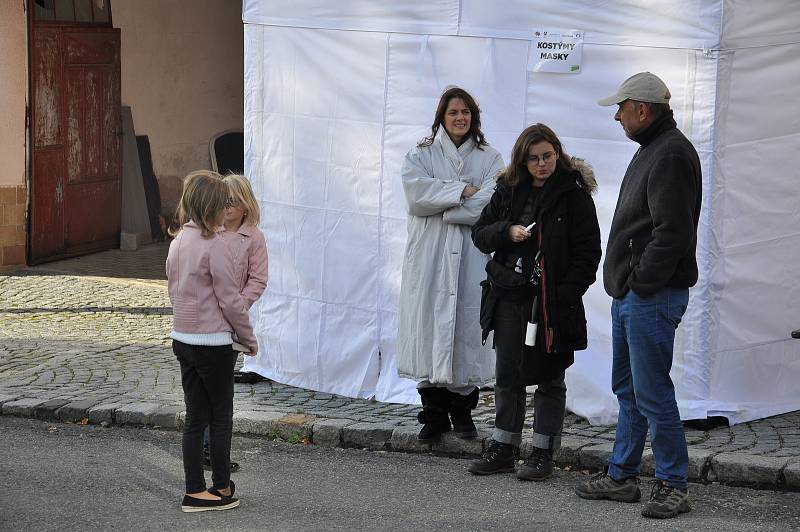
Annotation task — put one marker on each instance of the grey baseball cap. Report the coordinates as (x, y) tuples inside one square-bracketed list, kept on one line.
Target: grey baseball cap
[(642, 87)]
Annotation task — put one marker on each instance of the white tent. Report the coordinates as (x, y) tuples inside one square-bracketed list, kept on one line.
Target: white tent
[(337, 92)]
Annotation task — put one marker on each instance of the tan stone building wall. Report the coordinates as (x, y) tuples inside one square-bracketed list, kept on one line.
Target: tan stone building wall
[(183, 76), (13, 76)]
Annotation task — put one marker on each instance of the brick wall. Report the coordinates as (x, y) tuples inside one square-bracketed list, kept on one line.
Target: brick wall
[(12, 226)]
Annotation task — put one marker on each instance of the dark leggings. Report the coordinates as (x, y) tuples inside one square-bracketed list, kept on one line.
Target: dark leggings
[(207, 379)]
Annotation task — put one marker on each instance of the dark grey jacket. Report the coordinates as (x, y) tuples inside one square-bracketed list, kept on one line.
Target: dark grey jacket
[(653, 236)]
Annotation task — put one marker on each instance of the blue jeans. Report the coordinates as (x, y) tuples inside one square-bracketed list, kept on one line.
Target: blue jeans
[(643, 334)]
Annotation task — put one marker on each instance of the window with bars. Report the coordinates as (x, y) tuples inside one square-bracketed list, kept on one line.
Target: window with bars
[(77, 11)]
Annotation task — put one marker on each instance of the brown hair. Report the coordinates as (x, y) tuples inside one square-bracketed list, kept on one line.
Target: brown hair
[(517, 169), (474, 132), (242, 193), (203, 198)]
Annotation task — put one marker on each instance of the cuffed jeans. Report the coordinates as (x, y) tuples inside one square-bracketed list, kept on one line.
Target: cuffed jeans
[(643, 334), (207, 379), (549, 400)]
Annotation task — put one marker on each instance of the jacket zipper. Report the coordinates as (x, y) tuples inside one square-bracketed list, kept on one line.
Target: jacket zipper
[(630, 254), (548, 337)]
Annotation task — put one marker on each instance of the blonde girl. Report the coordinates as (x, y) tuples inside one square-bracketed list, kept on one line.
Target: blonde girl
[(208, 312), (247, 242)]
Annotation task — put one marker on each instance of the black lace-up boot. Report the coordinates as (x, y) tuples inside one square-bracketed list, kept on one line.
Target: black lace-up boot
[(538, 466), (498, 458)]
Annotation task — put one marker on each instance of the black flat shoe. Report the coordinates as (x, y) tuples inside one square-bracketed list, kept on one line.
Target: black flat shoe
[(193, 504), (215, 491)]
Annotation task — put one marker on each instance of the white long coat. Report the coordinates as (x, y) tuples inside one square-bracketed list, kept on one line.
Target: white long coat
[(439, 337)]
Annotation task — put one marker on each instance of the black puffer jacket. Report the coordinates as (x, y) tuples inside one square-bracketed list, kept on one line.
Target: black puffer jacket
[(569, 234)]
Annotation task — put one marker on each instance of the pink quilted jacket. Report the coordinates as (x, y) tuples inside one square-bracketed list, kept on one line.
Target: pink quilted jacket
[(203, 286)]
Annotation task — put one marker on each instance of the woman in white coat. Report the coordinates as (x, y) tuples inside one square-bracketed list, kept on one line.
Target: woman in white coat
[(447, 178)]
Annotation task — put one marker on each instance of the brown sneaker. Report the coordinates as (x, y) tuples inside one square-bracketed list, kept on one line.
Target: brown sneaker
[(666, 501), (602, 486)]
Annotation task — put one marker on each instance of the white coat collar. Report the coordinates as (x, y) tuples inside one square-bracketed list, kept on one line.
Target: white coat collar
[(455, 155)]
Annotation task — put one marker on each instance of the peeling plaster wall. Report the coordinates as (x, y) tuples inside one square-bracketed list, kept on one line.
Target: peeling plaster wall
[(182, 75), (13, 73)]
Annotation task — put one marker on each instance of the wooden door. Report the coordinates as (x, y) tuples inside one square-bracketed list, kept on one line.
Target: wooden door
[(76, 130)]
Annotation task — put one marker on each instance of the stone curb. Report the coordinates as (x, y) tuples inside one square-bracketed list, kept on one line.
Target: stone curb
[(576, 452)]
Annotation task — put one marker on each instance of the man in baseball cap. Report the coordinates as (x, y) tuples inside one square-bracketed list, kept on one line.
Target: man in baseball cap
[(649, 266)]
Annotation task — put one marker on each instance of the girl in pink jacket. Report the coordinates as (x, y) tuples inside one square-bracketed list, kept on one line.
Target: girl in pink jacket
[(209, 312), (247, 242)]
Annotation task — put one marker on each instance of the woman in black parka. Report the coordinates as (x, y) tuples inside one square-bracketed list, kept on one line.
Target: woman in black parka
[(548, 265)]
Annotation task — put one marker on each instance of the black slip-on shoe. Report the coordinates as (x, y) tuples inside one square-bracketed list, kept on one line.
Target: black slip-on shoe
[(193, 504), (215, 491)]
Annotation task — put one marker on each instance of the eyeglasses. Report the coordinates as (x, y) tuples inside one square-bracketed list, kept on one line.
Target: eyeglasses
[(545, 158), (231, 203)]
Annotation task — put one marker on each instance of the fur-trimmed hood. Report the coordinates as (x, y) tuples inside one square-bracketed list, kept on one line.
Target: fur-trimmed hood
[(587, 174)]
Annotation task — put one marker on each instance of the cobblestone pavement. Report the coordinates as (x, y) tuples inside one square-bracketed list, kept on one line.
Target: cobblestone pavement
[(87, 339)]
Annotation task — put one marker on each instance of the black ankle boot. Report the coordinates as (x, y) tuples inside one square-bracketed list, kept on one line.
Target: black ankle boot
[(435, 402), (498, 458), (538, 466), (461, 407)]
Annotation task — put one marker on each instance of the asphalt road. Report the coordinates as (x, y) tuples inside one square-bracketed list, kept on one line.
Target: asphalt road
[(72, 477)]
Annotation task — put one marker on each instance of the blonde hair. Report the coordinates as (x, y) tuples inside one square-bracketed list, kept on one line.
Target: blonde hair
[(203, 198), (242, 193)]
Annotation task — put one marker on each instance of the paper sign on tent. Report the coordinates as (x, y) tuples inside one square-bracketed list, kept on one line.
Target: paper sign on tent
[(556, 51)]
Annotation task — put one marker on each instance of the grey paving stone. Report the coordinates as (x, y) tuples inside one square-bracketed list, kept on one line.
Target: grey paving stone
[(791, 475), (595, 456), (405, 439), (253, 422), (328, 432), (7, 398), (22, 407), (739, 468), (453, 445), (104, 412), (699, 463), (135, 413), (47, 410), (648, 464), (569, 452), (367, 435), (166, 416)]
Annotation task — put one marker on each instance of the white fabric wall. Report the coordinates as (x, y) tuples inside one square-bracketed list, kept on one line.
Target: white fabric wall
[(335, 97)]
